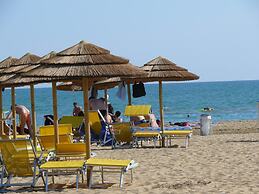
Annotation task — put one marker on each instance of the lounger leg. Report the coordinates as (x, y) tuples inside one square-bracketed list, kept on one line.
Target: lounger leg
[(77, 179), (102, 175), (91, 177), (121, 177), (9, 179), (187, 141), (154, 142), (42, 177), (53, 181), (131, 176), (82, 172), (2, 175), (46, 178)]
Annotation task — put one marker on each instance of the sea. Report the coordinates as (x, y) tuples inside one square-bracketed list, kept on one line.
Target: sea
[(230, 100)]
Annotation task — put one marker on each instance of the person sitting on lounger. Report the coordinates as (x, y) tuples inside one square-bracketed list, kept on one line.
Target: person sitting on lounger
[(77, 111), (116, 117), (98, 104), (152, 120)]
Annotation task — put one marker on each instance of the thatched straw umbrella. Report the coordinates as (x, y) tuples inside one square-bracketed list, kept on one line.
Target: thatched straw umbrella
[(10, 71), (27, 63), (161, 69), (86, 62), (4, 64)]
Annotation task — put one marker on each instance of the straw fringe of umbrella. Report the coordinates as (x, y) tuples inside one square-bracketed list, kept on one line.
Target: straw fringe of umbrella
[(85, 60), (15, 70)]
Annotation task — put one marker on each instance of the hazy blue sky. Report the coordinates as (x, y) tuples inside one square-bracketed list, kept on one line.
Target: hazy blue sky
[(216, 39)]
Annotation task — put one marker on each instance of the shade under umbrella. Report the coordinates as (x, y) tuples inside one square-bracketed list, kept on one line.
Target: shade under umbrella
[(99, 85)]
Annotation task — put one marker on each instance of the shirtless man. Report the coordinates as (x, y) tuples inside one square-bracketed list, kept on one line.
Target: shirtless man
[(25, 117)]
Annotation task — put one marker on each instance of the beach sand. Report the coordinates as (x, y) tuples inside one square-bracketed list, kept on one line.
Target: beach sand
[(219, 163)]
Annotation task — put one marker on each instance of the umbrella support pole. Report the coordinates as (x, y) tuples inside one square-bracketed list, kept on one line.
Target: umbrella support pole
[(55, 112), (161, 112), (129, 93), (33, 132), (87, 126), (14, 113), (1, 113)]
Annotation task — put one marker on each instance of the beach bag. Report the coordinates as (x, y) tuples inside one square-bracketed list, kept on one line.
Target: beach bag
[(138, 90)]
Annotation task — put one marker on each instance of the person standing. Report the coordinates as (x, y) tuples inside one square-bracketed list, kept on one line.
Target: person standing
[(24, 117)]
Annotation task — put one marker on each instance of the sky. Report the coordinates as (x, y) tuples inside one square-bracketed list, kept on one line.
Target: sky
[(217, 39)]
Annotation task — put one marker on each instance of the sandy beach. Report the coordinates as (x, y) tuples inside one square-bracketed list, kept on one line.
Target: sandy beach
[(219, 163)]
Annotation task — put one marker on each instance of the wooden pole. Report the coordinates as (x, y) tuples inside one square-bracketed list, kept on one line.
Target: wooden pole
[(161, 111), (129, 93), (55, 112), (106, 99), (86, 118), (13, 112), (33, 132), (87, 127), (1, 113)]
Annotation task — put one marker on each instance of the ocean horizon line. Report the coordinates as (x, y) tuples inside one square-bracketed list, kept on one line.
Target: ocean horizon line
[(48, 85)]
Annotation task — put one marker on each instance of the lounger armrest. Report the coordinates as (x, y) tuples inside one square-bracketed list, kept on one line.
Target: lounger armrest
[(131, 165)]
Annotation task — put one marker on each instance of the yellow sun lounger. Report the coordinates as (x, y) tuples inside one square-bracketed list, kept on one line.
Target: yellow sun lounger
[(155, 136), (110, 165), (122, 132), (19, 160), (58, 167), (95, 120), (76, 121), (137, 110), (175, 134), (47, 139), (71, 150), (49, 129)]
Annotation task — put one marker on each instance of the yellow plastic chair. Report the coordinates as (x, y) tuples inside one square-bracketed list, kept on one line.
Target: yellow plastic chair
[(47, 139), (19, 160), (122, 132), (76, 121), (95, 119), (49, 129), (95, 122), (137, 110), (71, 150), (47, 142), (111, 165)]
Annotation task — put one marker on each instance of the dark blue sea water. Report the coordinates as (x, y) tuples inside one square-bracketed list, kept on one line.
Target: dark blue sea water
[(235, 100)]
